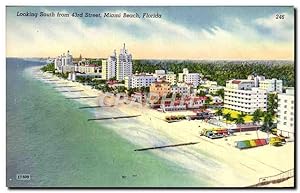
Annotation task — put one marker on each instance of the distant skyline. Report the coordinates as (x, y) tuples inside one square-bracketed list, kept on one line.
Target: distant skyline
[(196, 33)]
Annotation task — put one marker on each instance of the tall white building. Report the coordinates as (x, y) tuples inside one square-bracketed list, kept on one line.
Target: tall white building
[(64, 63), (109, 66), (242, 95), (193, 78), (139, 80), (124, 66), (286, 113)]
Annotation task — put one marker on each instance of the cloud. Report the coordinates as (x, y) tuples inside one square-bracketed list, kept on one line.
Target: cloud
[(146, 38), (281, 29)]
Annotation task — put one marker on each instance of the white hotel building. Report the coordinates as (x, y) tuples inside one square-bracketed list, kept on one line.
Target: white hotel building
[(139, 80), (286, 113), (109, 67), (124, 66), (64, 63), (242, 95), (193, 78)]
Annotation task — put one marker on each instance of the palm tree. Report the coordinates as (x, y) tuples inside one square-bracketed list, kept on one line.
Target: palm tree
[(219, 113), (256, 117), (227, 116), (272, 103), (268, 122), (240, 120)]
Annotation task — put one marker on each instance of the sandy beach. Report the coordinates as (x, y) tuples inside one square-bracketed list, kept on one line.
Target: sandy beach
[(223, 164)]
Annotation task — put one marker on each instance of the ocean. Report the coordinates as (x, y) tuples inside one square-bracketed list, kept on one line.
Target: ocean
[(49, 138)]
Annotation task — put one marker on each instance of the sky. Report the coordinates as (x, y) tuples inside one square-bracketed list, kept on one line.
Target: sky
[(234, 33)]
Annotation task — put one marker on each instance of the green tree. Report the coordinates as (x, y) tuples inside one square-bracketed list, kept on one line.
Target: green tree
[(49, 68), (240, 120), (227, 117), (272, 103), (268, 121), (219, 112), (256, 118), (201, 93), (220, 93)]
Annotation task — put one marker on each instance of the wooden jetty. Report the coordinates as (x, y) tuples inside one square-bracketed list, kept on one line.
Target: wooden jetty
[(84, 97), (71, 91), (91, 107), (64, 86), (166, 146), (52, 80), (119, 117)]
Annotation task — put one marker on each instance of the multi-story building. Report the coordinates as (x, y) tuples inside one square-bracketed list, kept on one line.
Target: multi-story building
[(124, 66), (286, 113), (181, 88), (210, 87), (160, 74), (208, 83), (64, 63), (161, 88), (139, 80), (89, 69), (214, 89), (242, 95), (270, 85), (109, 67), (171, 78), (185, 76)]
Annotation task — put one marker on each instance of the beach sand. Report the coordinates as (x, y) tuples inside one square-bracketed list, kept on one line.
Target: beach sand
[(221, 163)]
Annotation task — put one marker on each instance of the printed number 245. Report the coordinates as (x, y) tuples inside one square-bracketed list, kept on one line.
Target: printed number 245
[(279, 16)]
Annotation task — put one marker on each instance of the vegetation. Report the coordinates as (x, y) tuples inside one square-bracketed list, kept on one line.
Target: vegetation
[(201, 93), (240, 120), (62, 75), (145, 90), (219, 112), (223, 71), (208, 101), (272, 103), (48, 68), (227, 117), (256, 116), (220, 93), (98, 62), (267, 122)]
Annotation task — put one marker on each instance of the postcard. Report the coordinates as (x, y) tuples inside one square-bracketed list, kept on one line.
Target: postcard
[(150, 97)]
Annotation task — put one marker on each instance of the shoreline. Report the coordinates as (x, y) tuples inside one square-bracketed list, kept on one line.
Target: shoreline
[(226, 165)]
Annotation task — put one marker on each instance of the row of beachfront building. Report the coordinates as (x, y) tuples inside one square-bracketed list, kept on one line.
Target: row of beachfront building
[(244, 95)]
